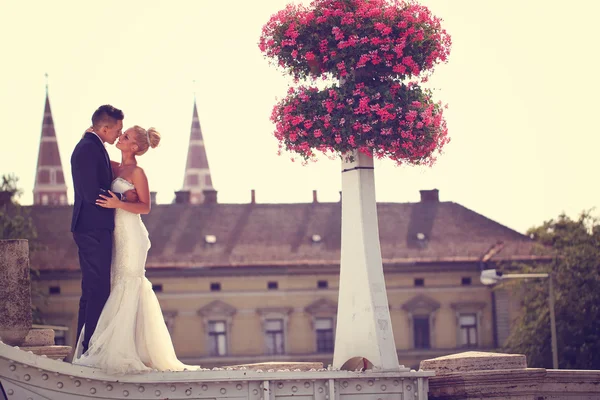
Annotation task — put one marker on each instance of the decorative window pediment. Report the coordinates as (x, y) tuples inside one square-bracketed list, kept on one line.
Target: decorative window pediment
[(217, 308), (421, 305), (322, 307), (274, 312), (421, 320), (468, 306), (324, 313), (275, 326), (217, 318)]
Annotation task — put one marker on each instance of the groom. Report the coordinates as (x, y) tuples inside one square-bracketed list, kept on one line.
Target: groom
[(92, 225)]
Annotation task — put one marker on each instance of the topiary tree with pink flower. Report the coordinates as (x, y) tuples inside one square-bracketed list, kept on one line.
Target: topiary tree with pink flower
[(375, 53)]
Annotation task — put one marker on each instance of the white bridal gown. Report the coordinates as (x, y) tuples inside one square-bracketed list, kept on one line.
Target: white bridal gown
[(131, 335)]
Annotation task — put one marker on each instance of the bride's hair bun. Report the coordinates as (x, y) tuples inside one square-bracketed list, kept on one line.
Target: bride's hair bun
[(154, 137), (145, 138)]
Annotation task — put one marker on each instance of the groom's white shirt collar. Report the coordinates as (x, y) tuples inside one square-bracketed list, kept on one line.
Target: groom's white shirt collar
[(101, 141)]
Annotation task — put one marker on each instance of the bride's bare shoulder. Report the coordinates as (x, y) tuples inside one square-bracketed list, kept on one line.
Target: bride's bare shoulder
[(138, 172)]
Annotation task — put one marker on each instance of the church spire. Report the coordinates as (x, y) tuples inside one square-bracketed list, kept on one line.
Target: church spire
[(197, 173), (49, 187)]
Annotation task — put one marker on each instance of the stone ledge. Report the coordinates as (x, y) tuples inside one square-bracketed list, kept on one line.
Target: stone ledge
[(53, 352), (39, 337), (474, 361), (530, 383), (277, 366), (494, 376)]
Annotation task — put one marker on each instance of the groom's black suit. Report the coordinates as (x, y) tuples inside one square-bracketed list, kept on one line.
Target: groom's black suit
[(92, 228)]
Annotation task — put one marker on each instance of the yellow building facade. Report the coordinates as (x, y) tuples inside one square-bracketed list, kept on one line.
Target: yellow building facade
[(236, 319)]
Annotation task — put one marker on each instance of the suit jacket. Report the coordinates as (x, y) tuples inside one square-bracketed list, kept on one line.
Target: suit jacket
[(91, 171)]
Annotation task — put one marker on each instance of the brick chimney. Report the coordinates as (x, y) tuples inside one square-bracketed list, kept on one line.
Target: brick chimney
[(432, 195), (152, 198), (253, 196), (210, 196), (182, 197), (315, 198)]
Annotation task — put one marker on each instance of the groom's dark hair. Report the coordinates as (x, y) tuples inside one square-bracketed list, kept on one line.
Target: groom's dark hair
[(107, 114)]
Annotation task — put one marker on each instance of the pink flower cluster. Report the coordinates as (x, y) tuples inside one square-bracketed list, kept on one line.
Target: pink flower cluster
[(387, 119), (381, 38)]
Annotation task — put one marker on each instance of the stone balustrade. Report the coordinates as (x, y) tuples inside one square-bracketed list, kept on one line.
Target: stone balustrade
[(15, 304), (15, 296), (495, 376)]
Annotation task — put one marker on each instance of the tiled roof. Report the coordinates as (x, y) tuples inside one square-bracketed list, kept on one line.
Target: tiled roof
[(48, 122), (282, 234)]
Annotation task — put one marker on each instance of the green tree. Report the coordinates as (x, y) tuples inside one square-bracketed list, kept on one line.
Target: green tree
[(575, 271), (15, 222)]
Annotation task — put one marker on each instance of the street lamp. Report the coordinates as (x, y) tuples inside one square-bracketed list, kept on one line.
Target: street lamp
[(491, 277)]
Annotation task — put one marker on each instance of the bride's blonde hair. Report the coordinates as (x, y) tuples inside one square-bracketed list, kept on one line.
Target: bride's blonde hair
[(145, 139)]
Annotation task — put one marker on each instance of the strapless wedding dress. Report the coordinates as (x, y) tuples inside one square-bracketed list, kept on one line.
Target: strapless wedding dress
[(131, 335)]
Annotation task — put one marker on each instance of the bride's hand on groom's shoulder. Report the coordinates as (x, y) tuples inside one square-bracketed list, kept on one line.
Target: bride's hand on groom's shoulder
[(90, 129), (111, 201)]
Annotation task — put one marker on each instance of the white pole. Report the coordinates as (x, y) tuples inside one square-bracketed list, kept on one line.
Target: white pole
[(364, 326)]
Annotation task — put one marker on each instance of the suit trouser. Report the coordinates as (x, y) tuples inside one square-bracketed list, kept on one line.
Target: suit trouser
[(95, 254)]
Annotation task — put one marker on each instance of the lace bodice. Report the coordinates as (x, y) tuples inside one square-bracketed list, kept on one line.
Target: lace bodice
[(121, 185)]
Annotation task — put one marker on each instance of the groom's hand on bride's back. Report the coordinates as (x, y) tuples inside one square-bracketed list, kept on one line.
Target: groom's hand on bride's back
[(131, 196)]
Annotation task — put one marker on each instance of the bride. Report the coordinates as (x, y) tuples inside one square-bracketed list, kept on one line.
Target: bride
[(131, 335)]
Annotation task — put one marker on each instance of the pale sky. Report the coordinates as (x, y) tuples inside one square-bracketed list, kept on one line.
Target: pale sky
[(522, 85)]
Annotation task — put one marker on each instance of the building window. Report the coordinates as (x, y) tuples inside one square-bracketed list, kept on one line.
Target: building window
[(468, 320), (421, 332), (468, 330), (217, 320), (157, 288), (323, 312), (421, 311), (465, 281), (54, 290), (272, 285), (217, 332), (45, 199), (322, 284), (63, 199), (274, 336), (324, 331), (419, 282), (215, 287)]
